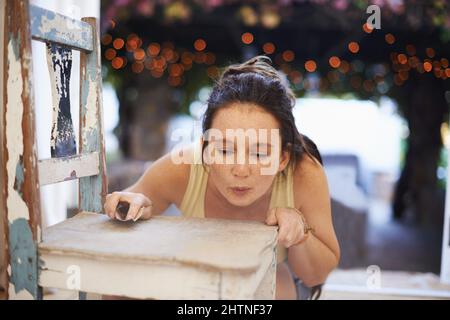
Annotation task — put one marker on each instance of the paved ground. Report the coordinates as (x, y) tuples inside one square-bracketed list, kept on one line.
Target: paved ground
[(401, 246)]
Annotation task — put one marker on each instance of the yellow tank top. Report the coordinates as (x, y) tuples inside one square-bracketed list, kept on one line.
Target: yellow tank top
[(193, 201)]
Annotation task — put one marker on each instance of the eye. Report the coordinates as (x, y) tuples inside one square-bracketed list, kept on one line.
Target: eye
[(225, 151), (259, 155)]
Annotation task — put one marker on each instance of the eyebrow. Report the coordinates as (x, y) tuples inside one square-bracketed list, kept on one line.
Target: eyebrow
[(232, 142)]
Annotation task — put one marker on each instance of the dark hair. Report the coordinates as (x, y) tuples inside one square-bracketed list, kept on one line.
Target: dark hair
[(257, 82)]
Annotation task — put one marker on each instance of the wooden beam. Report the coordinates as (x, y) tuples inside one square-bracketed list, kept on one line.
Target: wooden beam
[(49, 26), (21, 189), (92, 190), (3, 245), (56, 170)]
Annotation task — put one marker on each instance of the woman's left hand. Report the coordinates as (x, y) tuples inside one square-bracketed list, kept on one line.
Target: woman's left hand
[(291, 225)]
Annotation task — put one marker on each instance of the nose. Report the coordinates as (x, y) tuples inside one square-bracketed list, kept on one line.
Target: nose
[(240, 170)]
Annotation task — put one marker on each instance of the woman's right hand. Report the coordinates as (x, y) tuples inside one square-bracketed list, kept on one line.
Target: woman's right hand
[(140, 205)]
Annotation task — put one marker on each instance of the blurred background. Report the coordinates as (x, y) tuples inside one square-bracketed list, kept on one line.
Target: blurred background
[(373, 93), (374, 100)]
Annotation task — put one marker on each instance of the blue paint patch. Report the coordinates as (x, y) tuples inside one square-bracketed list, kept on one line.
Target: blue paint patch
[(18, 182), (37, 16), (15, 41), (23, 257)]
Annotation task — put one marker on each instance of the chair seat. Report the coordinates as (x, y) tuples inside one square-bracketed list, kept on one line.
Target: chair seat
[(164, 257)]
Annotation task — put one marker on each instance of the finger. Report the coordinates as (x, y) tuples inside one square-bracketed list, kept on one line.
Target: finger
[(133, 211), (139, 214), (111, 204), (290, 239), (271, 219), (282, 234)]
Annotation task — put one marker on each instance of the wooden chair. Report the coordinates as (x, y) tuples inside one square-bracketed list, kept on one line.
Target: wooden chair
[(162, 258)]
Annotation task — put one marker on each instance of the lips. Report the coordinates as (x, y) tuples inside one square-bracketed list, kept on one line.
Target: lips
[(240, 190)]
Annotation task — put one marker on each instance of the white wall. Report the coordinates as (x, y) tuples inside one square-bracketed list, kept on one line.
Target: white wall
[(58, 197)]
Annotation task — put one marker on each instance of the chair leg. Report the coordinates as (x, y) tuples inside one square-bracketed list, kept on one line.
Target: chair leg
[(82, 295)]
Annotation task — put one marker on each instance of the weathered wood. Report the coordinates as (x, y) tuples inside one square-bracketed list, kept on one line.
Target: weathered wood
[(3, 248), (267, 287), (62, 141), (56, 170), (49, 26), (164, 257), (92, 190), (21, 190)]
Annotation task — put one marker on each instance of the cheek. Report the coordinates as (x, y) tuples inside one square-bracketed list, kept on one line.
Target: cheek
[(263, 183), (219, 173)]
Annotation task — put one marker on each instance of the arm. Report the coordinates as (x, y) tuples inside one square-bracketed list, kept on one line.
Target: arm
[(162, 184), (313, 259)]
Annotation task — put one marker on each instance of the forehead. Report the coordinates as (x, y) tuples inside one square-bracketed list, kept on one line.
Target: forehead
[(244, 116)]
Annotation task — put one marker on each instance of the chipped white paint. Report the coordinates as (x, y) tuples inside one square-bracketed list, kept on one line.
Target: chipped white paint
[(55, 80), (59, 22), (38, 233), (168, 261), (51, 26), (21, 295), (56, 74), (91, 117), (12, 294), (16, 206), (61, 169), (55, 102)]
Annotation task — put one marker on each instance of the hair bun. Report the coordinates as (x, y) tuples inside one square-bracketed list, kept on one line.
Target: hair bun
[(259, 64)]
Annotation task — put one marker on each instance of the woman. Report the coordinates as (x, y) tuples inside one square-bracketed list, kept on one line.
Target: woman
[(290, 190)]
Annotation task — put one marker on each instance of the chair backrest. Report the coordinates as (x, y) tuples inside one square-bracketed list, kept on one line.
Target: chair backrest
[(22, 172)]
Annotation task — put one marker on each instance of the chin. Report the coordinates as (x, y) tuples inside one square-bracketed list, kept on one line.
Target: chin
[(240, 201)]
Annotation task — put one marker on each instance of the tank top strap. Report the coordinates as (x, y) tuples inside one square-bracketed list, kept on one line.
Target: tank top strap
[(192, 204)]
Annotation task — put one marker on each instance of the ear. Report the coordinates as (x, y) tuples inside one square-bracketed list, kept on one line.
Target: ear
[(284, 159)]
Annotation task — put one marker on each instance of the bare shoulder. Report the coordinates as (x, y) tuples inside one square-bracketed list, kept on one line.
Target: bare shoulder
[(307, 169), (310, 183)]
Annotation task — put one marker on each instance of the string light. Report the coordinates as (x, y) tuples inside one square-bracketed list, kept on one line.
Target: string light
[(288, 56), (367, 28), (118, 43), (106, 39), (389, 38), (200, 44), (334, 62), (353, 47), (247, 38), (269, 48), (310, 66)]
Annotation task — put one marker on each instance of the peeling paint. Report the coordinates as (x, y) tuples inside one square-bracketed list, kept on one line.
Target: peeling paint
[(92, 189), (91, 117), (19, 295), (59, 60), (18, 183), (23, 257), (16, 206), (73, 175), (49, 25)]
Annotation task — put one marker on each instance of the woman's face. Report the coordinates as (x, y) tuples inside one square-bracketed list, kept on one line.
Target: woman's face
[(245, 148)]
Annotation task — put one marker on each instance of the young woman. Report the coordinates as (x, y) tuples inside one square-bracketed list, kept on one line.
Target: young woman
[(216, 183)]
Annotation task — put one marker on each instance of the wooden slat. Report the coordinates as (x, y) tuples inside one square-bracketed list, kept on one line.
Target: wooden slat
[(56, 170), (62, 139), (92, 190), (164, 257), (50, 26), (22, 218), (3, 247)]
